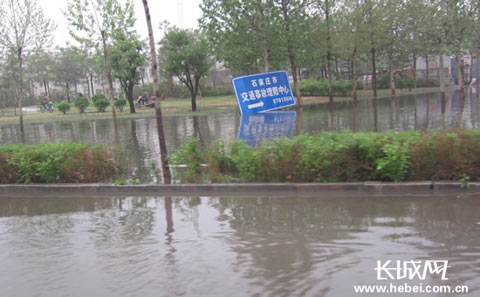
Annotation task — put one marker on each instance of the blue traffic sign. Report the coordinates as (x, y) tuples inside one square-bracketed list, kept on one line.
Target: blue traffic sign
[(262, 92)]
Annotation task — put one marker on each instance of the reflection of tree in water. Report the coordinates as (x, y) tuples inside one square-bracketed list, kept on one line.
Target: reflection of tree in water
[(130, 220), (290, 245)]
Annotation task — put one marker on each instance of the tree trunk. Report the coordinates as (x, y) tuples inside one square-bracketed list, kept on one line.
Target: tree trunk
[(329, 54), (442, 76), (129, 92), (330, 81), (158, 110), (110, 86), (67, 87), (20, 94), (194, 93), (291, 55), (354, 75), (373, 51), (265, 45), (374, 71), (392, 73), (460, 76), (337, 75), (91, 84), (45, 86), (88, 89), (414, 70), (428, 70)]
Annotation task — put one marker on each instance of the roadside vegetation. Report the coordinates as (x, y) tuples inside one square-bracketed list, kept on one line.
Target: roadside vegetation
[(60, 163), (336, 157)]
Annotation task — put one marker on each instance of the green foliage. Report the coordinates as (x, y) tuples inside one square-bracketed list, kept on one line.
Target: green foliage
[(404, 83), (59, 162), (337, 157), (310, 87), (81, 103), (185, 55), (63, 107), (383, 81), (190, 155), (422, 82), (101, 104), (120, 104), (210, 91), (98, 97)]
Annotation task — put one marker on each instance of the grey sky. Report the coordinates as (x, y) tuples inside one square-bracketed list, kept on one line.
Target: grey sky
[(185, 17)]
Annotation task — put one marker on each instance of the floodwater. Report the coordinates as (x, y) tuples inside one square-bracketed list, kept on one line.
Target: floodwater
[(140, 139), (214, 246)]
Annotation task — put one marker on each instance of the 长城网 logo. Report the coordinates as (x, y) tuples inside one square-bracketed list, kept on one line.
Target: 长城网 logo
[(413, 269)]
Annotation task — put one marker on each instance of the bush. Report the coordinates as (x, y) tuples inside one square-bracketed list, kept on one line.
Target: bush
[(383, 81), (101, 104), (63, 107), (404, 83), (422, 82), (120, 104), (59, 162), (98, 97), (210, 91), (81, 103), (312, 87), (189, 154), (339, 157)]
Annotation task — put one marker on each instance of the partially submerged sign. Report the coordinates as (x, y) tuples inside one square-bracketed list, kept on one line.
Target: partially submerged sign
[(262, 92), (255, 128)]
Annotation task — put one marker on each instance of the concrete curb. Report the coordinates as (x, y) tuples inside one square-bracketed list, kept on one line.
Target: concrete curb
[(251, 190)]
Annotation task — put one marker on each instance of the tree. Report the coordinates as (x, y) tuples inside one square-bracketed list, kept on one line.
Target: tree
[(41, 65), (167, 178), (23, 28), (95, 22), (186, 56), (352, 36), (127, 58), (245, 35), (67, 69)]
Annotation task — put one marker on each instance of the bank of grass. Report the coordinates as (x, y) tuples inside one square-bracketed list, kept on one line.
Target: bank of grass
[(60, 163), (172, 107), (336, 157)]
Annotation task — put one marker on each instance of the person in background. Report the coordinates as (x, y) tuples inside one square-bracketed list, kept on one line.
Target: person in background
[(45, 101)]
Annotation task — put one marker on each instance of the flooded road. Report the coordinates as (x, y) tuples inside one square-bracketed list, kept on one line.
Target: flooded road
[(140, 139), (214, 246)]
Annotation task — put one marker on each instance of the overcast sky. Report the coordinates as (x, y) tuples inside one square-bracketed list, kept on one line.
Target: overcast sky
[(182, 13)]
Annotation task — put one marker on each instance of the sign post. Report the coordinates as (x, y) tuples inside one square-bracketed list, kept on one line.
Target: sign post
[(262, 92)]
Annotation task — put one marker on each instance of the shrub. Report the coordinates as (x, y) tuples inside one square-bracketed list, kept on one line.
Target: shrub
[(217, 91), (120, 104), (310, 87), (101, 104), (98, 97), (404, 83), (59, 162), (63, 107), (335, 157), (422, 82), (189, 154), (383, 81), (81, 103)]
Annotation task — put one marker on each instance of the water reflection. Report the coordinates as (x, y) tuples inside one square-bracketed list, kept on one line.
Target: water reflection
[(255, 128), (140, 138), (219, 246)]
